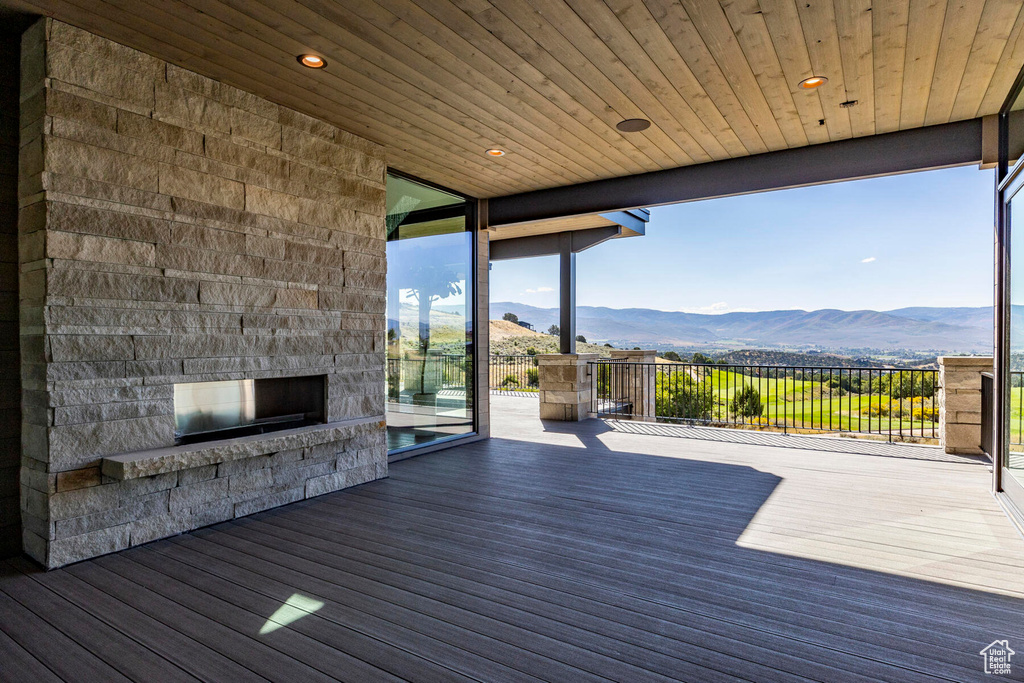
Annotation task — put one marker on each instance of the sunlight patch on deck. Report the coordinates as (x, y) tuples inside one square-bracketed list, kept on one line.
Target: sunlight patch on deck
[(294, 608)]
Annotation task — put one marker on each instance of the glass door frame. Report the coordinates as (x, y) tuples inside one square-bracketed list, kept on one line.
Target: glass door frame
[(474, 228), (1008, 184)]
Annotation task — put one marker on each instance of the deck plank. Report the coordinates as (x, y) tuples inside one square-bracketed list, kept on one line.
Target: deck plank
[(560, 552)]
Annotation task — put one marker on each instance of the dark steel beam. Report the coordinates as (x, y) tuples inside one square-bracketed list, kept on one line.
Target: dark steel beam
[(550, 245), (635, 219), (918, 149), (566, 294)]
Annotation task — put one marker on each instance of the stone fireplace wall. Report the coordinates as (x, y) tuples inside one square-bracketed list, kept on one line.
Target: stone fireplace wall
[(174, 229)]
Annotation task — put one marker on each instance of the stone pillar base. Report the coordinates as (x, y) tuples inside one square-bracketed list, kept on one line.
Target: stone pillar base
[(960, 403), (565, 386)]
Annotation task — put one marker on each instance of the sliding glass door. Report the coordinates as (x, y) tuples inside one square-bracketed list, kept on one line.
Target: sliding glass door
[(429, 314), (1009, 470)]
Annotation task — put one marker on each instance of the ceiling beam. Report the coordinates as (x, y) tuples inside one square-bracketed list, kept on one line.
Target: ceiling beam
[(918, 149), (551, 244)]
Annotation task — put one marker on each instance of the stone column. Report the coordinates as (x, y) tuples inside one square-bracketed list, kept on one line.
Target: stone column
[(959, 397), (636, 382), (565, 385)]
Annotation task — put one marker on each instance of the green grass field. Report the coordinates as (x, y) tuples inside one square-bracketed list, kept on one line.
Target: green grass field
[(805, 404)]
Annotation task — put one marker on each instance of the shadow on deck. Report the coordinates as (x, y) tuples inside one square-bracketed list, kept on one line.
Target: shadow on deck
[(556, 552)]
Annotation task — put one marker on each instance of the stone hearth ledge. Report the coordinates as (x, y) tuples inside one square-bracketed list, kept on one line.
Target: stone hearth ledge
[(162, 460)]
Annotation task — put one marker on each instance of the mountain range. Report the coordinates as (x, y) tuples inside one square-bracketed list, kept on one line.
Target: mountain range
[(918, 329)]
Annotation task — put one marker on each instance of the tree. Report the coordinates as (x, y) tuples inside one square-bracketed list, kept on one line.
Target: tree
[(679, 396), (747, 402), (671, 355), (555, 330), (511, 317), (430, 282), (581, 339), (701, 359), (607, 345)]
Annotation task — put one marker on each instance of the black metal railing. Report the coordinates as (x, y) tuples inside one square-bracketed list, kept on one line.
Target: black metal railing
[(439, 372), (513, 373), (987, 394), (887, 401)]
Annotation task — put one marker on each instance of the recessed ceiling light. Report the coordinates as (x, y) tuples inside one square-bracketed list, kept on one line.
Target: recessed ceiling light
[(813, 82), (633, 125), (312, 61), (495, 152)]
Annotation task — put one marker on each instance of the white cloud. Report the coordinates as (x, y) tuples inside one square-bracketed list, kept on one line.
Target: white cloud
[(869, 259), (717, 307), (540, 290)]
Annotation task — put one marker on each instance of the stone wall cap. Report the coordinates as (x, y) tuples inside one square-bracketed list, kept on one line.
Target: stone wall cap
[(568, 356), (174, 458), (986, 361)]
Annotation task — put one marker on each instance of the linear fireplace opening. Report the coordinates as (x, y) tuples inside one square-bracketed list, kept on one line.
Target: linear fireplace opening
[(209, 411)]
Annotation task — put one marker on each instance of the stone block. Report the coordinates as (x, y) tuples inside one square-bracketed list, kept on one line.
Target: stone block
[(150, 129), (93, 544), (78, 479), (255, 128), (67, 348), (69, 157), (271, 500), (123, 225), (144, 486), (191, 109), (184, 498), (296, 298), (237, 295), (189, 259), (65, 105), (265, 247), (204, 237), (559, 411), (86, 501), (73, 446), (326, 484), (196, 475), (252, 480), (117, 83), (201, 187)]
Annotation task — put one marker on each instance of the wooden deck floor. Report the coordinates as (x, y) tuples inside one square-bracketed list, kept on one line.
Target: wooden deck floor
[(559, 553)]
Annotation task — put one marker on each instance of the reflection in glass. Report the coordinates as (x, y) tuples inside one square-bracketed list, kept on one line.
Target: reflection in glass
[(430, 315), (1015, 458)]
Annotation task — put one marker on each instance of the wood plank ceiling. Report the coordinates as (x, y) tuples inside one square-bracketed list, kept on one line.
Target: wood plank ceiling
[(440, 81)]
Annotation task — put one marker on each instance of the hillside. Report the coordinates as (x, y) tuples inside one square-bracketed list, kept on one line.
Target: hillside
[(938, 330), (505, 341)]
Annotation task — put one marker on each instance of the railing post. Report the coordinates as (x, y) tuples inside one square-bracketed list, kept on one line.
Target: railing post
[(566, 386), (959, 397), (640, 391)]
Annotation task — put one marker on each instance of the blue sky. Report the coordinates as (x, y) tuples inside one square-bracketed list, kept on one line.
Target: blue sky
[(921, 239)]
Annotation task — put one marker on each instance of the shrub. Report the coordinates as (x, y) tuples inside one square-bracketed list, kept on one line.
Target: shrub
[(679, 396), (510, 381), (555, 330), (747, 402), (531, 351), (532, 377), (581, 339)]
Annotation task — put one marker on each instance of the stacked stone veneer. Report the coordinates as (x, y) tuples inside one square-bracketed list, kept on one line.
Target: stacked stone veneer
[(960, 403), (10, 386), (174, 229), (564, 382)]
